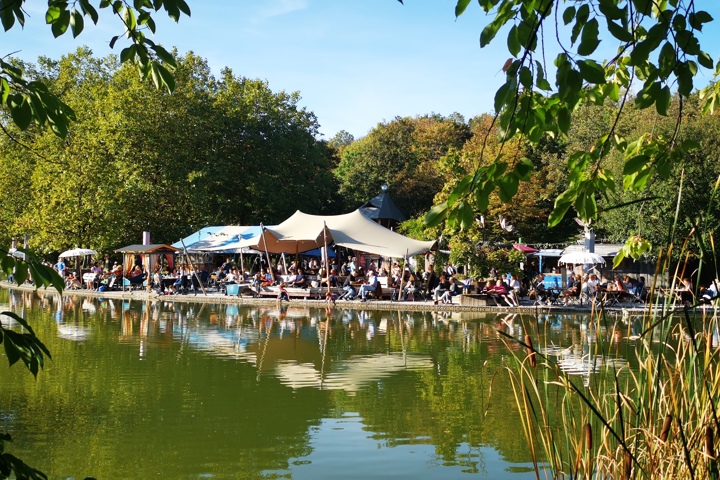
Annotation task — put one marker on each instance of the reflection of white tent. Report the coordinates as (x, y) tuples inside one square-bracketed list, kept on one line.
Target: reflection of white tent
[(353, 374), (72, 332), (302, 232)]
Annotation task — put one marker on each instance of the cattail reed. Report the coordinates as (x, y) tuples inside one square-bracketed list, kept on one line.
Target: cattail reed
[(627, 466), (710, 452), (666, 428), (530, 351), (709, 442), (588, 437)]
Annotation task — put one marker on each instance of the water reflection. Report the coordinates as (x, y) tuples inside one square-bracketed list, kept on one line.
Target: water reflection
[(148, 389)]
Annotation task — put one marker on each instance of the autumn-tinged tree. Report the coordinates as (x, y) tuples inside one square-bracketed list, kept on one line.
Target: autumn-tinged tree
[(403, 155), (658, 51)]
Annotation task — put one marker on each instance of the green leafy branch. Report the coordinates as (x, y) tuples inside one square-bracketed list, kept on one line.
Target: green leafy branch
[(657, 46), (31, 101), (24, 346)]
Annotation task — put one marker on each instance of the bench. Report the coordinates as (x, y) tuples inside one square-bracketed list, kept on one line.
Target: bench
[(477, 300), (293, 292)]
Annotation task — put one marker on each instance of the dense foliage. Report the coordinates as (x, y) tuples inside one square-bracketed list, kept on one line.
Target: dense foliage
[(658, 52), (216, 151)]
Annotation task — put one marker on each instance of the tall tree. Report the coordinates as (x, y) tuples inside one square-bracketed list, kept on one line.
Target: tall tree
[(401, 154)]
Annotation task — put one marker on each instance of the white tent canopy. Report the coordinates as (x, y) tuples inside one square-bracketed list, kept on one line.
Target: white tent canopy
[(302, 232), (242, 242), (217, 240)]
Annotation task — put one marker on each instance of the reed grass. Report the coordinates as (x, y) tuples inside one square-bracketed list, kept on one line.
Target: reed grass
[(658, 420)]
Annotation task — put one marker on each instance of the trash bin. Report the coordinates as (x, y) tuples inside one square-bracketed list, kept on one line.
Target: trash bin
[(232, 289)]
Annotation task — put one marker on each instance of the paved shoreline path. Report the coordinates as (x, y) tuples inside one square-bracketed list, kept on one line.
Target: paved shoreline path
[(526, 306)]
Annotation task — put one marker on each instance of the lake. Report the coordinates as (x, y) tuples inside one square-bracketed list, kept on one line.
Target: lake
[(184, 391)]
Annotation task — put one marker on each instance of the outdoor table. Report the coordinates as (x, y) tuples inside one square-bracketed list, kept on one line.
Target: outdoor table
[(612, 297), (168, 282)]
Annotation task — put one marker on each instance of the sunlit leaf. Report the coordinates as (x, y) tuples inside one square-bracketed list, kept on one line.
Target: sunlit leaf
[(436, 215), (459, 7)]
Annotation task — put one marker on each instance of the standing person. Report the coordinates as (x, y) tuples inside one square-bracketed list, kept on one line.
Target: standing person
[(61, 268), (431, 280), (352, 264), (450, 270)]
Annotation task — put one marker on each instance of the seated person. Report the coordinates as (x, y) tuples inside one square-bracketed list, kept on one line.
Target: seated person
[(349, 287), (500, 292), (369, 286), (539, 286), (572, 290), (616, 285), (591, 286), (71, 282), (230, 277), (710, 293), (467, 285), (639, 288), (135, 272), (137, 276), (299, 280), (409, 286), (455, 287), (266, 278), (333, 278), (442, 287), (685, 290)]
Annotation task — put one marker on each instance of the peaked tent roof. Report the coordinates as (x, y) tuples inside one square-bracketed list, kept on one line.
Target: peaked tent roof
[(302, 232), (153, 248), (382, 207), (602, 249), (226, 235), (197, 236), (240, 243)]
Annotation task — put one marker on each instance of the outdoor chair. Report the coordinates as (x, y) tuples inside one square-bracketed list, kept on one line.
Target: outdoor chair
[(544, 296)]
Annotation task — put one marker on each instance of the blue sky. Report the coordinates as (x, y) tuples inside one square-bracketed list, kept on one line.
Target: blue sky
[(355, 62)]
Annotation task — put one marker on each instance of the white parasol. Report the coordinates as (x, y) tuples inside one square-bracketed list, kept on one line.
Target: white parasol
[(581, 258), (14, 252), (77, 252)]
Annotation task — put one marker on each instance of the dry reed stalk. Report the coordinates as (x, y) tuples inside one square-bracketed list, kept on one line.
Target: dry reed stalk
[(530, 351)]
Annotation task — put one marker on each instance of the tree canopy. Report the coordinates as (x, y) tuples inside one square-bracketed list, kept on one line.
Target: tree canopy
[(658, 52), (222, 150)]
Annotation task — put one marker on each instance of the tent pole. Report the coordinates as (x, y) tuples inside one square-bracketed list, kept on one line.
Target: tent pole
[(272, 274), (192, 266), (325, 260), (402, 275)]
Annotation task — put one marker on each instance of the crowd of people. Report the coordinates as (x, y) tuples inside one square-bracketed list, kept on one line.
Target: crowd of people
[(360, 280)]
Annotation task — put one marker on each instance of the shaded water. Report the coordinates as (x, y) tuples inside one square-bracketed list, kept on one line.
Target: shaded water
[(172, 390)]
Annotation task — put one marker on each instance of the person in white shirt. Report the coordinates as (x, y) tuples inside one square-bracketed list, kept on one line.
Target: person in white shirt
[(369, 286)]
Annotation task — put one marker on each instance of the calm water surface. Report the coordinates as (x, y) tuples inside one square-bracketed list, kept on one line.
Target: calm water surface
[(185, 391)]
